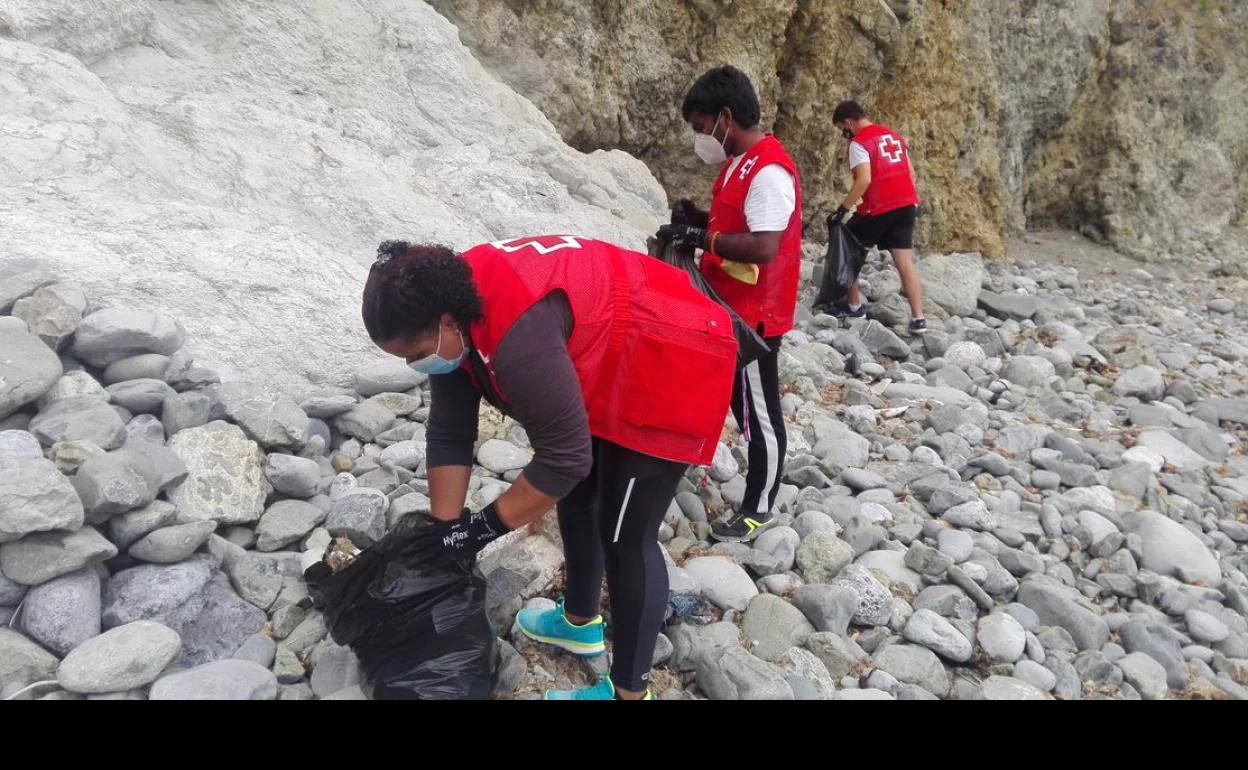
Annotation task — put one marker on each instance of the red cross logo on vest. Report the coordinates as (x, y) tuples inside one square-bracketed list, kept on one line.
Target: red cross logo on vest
[(543, 244), (891, 149)]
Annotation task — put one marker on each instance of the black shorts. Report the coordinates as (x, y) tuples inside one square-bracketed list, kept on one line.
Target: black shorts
[(890, 230)]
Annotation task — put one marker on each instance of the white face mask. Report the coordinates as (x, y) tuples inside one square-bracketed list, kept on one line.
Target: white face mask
[(710, 149)]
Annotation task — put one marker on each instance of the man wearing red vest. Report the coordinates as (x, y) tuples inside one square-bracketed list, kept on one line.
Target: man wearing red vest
[(879, 159), (752, 252), (620, 373)]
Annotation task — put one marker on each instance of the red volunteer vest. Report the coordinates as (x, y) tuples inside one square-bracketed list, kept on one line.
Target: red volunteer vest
[(772, 301), (655, 357), (892, 187)]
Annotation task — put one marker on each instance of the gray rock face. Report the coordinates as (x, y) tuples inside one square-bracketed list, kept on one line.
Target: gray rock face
[(1169, 548), (829, 608), (365, 421), (11, 593), (839, 655), (111, 483), (1055, 607), (334, 670), (125, 529), (79, 418), (258, 649), (360, 516), (293, 476), (219, 680), (822, 556), (1143, 382), (1160, 643), (168, 545), (389, 376), (722, 581), (953, 281), (185, 410), (930, 630), (28, 369), (225, 481), (19, 445), (151, 592), (20, 278), (23, 662), (1029, 371), (772, 626), (64, 612), (285, 522), (52, 313), (327, 407), (189, 597), (113, 334), (734, 674), (272, 419), (880, 339), (501, 456), (120, 659), (143, 396), (35, 497), (914, 665), (1015, 307), (42, 556), (875, 603), (146, 366), (1002, 637), (1009, 688)]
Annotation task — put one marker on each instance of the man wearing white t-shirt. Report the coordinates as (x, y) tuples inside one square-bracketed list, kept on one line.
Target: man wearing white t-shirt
[(887, 199), (752, 244)]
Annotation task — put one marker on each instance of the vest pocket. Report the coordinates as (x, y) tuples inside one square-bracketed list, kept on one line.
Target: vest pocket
[(679, 387)]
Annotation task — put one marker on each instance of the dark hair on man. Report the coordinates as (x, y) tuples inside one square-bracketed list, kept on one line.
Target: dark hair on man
[(410, 287), (848, 111), (722, 87)]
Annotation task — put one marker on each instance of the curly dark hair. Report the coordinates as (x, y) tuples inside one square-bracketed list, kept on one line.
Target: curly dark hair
[(411, 286), (722, 87)]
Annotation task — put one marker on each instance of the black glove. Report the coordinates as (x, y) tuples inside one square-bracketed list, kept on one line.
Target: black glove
[(466, 535), (686, 213), (838, 217), (684, 236)]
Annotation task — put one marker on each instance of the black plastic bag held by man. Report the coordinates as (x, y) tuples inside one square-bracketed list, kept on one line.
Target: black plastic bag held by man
[(418, 624), (750, 344), (841, 266)]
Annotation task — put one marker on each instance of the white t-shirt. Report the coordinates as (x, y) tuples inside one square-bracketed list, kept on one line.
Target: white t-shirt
[(771, 200), (858, 155)]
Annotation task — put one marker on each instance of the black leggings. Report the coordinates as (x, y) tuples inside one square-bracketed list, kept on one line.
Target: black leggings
[(610, 523)]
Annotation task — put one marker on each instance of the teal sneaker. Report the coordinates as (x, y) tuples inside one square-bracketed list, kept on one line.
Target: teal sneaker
[(552, 627), (604, 690)]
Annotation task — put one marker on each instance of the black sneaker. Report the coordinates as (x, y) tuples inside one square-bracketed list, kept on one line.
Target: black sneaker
[(843, 312), (741, 528), (918, 326)]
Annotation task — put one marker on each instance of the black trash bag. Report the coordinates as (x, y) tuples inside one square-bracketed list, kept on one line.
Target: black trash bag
[(750, 344), (417, 625), (841, 266)]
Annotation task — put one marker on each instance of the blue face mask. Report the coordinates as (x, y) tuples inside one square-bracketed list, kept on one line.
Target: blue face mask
[(436, 364)]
